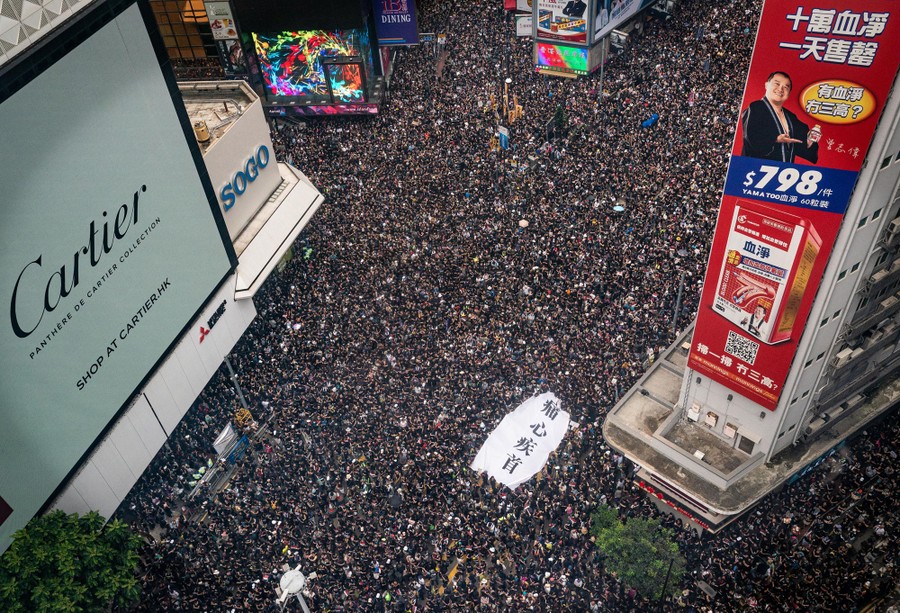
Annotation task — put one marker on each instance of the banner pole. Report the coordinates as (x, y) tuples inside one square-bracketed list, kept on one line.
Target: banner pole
[(234, 382)]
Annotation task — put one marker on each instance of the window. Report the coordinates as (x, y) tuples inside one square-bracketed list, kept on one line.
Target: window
[(836, 314), (855, 267), (792, 427), (186, 33), (885, 161), (781, 434), (862, 222), (808, 364), (823, 322), (794, 401), (820, 356), (876, 214), (804, 394), (745, 444), (842, 275)]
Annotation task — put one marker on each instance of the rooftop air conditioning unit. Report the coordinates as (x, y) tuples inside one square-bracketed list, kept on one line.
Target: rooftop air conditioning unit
[(729, 430), (888, 302), (694, 412), (873, 340), (894, 226), (712, 419), (877, 276), (842, 357)]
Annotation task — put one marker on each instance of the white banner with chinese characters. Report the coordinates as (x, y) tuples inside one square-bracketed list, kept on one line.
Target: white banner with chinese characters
[(523, 440)]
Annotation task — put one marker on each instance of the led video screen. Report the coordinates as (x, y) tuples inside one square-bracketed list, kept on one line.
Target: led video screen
[(346, 82), (559, 58), (294, 63)]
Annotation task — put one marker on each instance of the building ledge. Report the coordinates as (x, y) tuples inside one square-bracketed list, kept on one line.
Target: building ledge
[(273, 230), (645, 427), (217, 104)]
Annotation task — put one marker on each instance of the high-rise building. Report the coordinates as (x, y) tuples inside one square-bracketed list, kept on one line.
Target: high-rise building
[(796, 345)]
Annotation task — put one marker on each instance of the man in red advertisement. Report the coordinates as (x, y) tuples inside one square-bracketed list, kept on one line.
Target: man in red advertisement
[(772, 132), (756, 323)]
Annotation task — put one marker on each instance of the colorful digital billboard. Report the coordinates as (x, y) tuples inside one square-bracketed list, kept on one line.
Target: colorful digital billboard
[(346, 82), (818, 80), (395, 22), (563, 20), (559, 58), (323, 110), (293, 63)]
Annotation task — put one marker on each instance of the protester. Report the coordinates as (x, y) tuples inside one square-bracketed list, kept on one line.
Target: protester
[(417, 311)]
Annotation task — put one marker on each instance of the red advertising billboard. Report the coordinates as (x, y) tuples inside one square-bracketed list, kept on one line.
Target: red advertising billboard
[(817, 83)]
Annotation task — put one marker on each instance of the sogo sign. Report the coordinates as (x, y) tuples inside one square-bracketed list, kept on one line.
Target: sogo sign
[(244, 177)]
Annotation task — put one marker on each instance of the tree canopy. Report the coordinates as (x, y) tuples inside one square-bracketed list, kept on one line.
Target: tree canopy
[(69, 563), (638, 551)]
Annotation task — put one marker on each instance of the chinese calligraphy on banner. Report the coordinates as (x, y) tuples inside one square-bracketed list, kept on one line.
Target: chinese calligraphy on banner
[(817, 84), (523, 440)]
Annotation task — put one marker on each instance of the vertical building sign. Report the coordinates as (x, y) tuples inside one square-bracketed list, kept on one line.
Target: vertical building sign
[(818, 81), (395, 22), (221, 21), (224, 31)]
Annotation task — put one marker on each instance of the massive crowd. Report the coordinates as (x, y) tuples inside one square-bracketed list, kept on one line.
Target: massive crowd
[(417, 311)]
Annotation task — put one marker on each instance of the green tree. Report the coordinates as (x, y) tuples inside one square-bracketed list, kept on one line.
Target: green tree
[(69, 563), (638, 552), (560, 120)]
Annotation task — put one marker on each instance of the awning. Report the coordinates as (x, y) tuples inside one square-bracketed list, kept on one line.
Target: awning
[(274, 229)]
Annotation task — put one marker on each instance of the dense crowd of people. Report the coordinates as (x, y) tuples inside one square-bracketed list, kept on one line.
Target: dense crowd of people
[(417, 311), (197, 69)]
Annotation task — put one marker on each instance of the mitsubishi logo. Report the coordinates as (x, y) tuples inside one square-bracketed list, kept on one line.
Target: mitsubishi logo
[(212, 320)]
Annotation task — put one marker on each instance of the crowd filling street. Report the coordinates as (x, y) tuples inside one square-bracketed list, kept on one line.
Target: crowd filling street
[(417, 311)]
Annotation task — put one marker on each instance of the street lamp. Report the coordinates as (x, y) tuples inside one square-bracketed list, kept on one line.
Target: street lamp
[(292, 584), (506, 85), (678, 303)]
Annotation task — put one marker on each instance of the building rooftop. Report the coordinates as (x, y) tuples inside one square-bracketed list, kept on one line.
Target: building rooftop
[(646, 426), (216, 103)]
